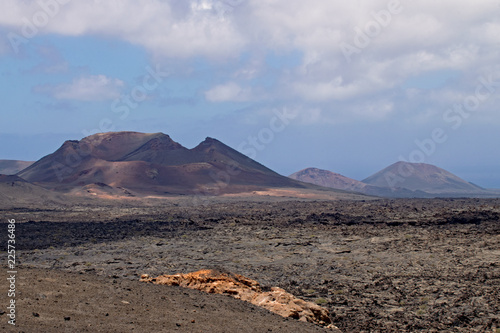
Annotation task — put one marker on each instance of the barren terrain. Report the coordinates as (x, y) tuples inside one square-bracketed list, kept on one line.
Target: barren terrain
[(378, 266)]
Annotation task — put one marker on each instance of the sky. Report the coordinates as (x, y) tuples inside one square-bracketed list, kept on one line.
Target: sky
[(346, 86)]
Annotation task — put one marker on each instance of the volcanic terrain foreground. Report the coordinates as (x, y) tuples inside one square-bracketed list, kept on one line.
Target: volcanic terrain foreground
[(276, 300), (403, 265), (56, 301)]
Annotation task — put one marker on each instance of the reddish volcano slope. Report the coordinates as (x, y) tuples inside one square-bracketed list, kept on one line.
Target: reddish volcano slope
[(327, 179), (152, 164), (422, 177), (337, 181)]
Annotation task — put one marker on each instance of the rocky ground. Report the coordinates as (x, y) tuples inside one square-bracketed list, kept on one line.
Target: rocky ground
[(389, 265), (58, 301)]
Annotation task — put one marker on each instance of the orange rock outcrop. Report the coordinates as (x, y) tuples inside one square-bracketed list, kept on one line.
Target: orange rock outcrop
[(277, 300)]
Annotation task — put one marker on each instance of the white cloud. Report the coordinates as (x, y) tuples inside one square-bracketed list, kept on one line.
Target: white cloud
[(376, 110), (220, 28), (323, 91), (166, 28), (229, 92), (88, 88), (421, 36)]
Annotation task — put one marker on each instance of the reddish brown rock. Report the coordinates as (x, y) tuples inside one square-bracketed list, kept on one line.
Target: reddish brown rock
[(277, 300), (287, 305), (212, 282)]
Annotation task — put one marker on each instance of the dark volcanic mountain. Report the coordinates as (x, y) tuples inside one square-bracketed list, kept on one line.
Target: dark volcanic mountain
[(337, 181), (423, 177), (11, 167), (152, 164)]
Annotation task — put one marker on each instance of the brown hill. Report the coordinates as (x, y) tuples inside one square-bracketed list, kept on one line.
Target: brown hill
[(153, 164), (327, 179), (423, 177), (337, 181), (11, 167)]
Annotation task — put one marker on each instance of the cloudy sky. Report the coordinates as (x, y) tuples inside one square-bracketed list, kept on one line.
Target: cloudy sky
[(347, 86)]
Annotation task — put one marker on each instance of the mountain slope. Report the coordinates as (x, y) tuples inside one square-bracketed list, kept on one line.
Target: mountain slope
[(422, 177), (152, 164), (16, 192), (11, 167), (327, 179), (337, 181)]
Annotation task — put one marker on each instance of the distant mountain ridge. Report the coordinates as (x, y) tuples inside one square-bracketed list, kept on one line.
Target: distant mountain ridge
[(327, 179), (423, 177), (152, 164), (11, 167), (337, 181), (399, 180)]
